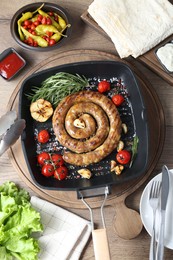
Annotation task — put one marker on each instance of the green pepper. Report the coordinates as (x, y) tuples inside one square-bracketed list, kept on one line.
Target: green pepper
[(62, 22), (25, 17), (54, 23), (56, 37), (34, 18), (42, 29), (41, 42)]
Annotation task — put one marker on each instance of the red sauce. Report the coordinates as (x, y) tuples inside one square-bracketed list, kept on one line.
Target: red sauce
[(10, 65)]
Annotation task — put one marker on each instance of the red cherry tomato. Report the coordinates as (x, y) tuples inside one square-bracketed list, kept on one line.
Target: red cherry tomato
[(32, 27), (39, 18), (25, 27), (51, 13), (61, 173), (35, 44), (44, 20), (30, 41), (57, 159), (118, 99), (27, 23), (49, 21), (43, 136), (36, 23), (52, 42), (123, 156), (104, 86), (56, 18), (43, 157), (47, 170), (34, 33), (49, 34)]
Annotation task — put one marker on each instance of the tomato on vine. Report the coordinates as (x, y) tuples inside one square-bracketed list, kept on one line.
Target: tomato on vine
[(57, 159), (47, 170), (43, 157), (61, 173)]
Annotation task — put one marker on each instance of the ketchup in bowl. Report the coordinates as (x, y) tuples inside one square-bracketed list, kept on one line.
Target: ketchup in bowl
[(11, 63)]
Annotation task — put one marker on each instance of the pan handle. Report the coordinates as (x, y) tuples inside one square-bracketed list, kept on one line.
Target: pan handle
[(100, 242)]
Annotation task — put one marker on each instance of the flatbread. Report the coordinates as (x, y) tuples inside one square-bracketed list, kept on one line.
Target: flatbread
[(135, 26)]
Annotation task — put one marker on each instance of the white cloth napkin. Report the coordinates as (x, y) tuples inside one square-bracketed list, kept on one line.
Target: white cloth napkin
[(65, 234), (135, 26)]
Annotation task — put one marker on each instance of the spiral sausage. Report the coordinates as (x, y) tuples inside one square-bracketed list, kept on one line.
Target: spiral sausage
[(105, 130)]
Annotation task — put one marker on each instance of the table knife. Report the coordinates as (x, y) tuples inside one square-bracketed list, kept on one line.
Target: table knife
[(164, 197)]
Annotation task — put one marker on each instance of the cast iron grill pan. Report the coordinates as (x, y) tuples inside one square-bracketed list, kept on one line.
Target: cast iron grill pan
[(133, 113)]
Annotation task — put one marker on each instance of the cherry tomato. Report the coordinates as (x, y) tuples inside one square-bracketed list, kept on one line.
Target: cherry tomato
[(43, 157), (57, 159), (47, 170), (35, 44), (30, 31), (39, 18), (43, 136), (47, 39), (118, 99), (30, 41), (32, 27), (27, 23), (44, 20), (52, 42), (123, 156), (56, 18), (49, 21), (61, 173), (104, 86), (25, 27), (36, 23), (44, 37), (49, 34), (51, 13)]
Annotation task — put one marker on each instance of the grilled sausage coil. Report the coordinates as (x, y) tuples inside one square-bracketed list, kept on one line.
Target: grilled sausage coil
[(100, 134)]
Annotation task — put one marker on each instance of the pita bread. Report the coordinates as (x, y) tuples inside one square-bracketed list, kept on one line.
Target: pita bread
[(135, 26)]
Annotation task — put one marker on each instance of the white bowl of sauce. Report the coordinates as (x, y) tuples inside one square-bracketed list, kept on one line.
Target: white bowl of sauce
[(165, 56)]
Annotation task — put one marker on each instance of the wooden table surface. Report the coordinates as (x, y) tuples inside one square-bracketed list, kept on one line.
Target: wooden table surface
[(84, 37)]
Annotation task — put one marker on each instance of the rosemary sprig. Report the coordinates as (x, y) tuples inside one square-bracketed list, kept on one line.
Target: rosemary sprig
[(58, 86)]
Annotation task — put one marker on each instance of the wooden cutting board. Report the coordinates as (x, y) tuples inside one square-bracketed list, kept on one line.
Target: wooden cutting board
[(130, 225), (149, 59)]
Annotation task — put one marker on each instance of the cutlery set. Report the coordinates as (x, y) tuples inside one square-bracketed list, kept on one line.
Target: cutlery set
[(158, 196)]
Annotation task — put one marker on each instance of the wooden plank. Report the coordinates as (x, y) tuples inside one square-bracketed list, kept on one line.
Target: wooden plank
[(148, 59)]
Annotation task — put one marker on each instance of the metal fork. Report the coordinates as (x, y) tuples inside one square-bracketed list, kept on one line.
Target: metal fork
[(153, 200)]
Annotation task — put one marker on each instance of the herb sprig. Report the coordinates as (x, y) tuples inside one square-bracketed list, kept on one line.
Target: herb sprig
[(134, 149), (58, 86)]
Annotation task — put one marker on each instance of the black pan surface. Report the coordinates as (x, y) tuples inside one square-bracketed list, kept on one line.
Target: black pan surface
[(133, 113)]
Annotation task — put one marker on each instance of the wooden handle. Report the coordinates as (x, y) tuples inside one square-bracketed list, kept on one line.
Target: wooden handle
[(100, 241), (128, 222)]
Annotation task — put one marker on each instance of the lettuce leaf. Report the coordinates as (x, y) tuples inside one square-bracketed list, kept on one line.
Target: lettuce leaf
[(18, 221)]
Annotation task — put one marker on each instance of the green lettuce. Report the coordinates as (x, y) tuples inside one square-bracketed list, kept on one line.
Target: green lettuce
[(18, 221)]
